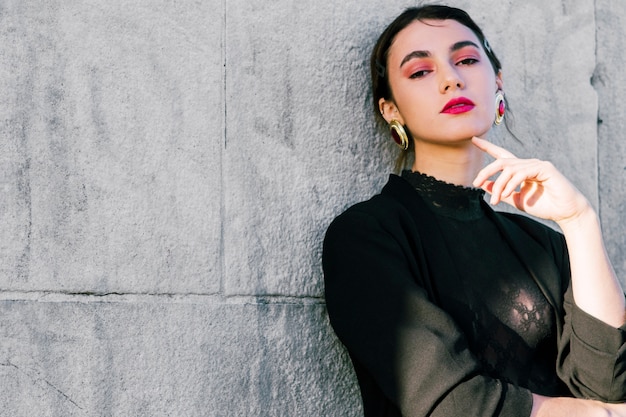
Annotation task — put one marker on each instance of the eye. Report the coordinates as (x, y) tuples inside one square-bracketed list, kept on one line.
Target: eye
[(419, 74), (467, 61)]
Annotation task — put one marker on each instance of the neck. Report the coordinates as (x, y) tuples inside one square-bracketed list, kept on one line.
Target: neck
[(454, 163)]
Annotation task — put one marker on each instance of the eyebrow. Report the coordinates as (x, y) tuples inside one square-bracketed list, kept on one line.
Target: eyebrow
[(426, 54)]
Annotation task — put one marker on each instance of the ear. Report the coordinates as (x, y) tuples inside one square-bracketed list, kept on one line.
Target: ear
[(499, 82), (389, 110)]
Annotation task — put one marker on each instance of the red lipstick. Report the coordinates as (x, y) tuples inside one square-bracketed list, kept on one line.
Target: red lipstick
[(458, 105)]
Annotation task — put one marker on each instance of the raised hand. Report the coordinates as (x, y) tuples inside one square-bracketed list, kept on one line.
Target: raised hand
[(533, 186)]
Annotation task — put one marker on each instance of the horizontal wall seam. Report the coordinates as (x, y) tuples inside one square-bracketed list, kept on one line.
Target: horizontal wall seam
[(164, 298)]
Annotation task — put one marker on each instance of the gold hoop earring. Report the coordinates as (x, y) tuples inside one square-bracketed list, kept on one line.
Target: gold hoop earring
[(500, 108), (398, 134)]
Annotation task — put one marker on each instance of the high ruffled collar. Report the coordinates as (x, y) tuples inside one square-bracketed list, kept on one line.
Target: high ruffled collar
[(450, 200)]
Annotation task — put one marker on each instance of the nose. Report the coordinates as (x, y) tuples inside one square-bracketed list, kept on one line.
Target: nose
[(450, 80)]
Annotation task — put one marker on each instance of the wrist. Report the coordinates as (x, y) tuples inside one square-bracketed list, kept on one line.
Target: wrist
[(584, 216)]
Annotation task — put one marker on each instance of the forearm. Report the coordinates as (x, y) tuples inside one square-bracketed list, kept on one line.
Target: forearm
[(595, 287), (572, 407)]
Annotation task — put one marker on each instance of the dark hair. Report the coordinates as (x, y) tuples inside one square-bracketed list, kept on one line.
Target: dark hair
[(378, 60)]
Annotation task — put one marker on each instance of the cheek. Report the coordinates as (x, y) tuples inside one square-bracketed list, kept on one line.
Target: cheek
[(414, 103), (491, 103), (410, 96), (488, 98)]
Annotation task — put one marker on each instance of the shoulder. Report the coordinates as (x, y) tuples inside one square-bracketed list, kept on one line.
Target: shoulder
[(377, 213), (389, 209)]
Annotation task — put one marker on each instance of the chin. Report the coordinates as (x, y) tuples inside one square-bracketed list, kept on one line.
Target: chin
[(455, 133), (465, 132)]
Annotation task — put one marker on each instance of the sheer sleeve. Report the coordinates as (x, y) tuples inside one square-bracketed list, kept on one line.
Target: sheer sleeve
[(411, 349), (592, 356)]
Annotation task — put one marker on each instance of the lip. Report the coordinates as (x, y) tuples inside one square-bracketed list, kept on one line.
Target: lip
[(458, 105)]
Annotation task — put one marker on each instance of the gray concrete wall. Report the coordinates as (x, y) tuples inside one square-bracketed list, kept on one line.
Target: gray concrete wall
[(168, 169)]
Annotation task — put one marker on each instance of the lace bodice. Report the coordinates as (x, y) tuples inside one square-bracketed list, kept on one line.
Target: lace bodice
[(508, 322)]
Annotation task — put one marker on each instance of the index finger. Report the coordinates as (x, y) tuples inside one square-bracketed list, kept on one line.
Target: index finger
[(493, 150)]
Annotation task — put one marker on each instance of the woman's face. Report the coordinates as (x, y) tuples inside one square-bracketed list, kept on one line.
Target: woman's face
[(442, 82)]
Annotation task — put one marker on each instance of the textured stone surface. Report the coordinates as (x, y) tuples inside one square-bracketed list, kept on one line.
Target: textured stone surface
[(138, 357), (609, 81), (297, 118), (185, 157), (112, 123)]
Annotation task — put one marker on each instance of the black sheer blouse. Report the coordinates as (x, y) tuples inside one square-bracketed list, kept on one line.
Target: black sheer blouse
[(509, 324)]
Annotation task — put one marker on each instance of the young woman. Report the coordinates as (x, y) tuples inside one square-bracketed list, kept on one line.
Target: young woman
[(446, 307)]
